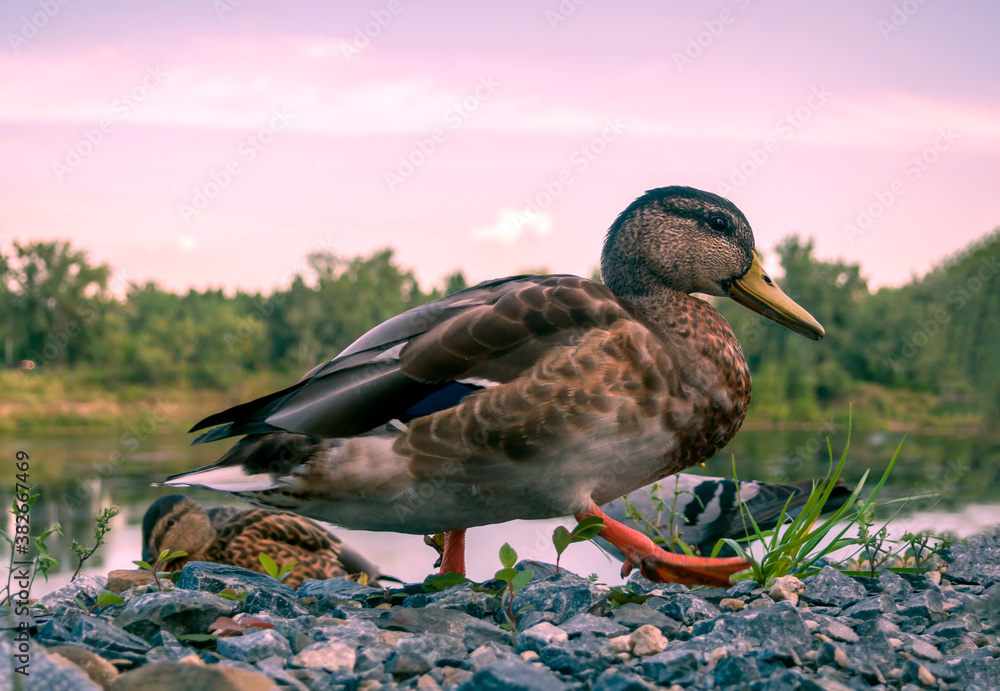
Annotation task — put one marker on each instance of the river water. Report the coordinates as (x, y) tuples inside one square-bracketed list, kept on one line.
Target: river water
[(79, 475)]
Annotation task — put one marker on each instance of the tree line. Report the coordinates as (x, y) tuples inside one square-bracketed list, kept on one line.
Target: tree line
[(939, 333)]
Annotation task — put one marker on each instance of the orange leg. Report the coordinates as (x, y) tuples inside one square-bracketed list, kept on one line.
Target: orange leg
[(657, 564), (453, 559)]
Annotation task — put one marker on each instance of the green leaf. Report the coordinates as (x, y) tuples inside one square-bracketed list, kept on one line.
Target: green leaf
[(506, 575), (439, 582), (143, 565), (108, 598), (286, 569), (521, 579), (508, 557), (175, 555), (230, 594), (561, 539), (164, 555), (587, 529), (270, 567)]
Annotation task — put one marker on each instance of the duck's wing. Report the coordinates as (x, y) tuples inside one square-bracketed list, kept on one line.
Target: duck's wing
[(702, 510), (428, 358)]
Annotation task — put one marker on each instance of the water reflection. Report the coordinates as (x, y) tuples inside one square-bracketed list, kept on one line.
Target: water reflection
[(79, 475)]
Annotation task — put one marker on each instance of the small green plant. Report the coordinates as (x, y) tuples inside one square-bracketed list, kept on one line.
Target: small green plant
[(234, 595), (514, 580), (272, 569), (104, 599), (798, 547), (442, 581), (102, 527), (42, 562), (156, 568), (587, 529)]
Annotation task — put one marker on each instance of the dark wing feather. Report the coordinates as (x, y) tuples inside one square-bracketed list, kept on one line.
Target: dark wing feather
[(495, 331)]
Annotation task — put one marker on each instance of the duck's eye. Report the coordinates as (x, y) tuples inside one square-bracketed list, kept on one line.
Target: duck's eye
[(171, 522), (718, 223)]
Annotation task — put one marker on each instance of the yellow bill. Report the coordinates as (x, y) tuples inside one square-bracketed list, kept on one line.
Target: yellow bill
[(756, 290)]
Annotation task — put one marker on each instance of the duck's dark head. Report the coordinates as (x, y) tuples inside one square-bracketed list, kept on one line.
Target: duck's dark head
[(176, 523), (694, 242)]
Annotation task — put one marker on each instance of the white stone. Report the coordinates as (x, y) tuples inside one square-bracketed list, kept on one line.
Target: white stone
[(786, 588), (647, 640), (327, 655)]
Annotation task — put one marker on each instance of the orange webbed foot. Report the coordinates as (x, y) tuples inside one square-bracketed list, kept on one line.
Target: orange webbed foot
[(662, 566)]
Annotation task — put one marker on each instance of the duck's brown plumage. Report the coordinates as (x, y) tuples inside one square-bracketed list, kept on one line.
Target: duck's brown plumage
[(229, 535)]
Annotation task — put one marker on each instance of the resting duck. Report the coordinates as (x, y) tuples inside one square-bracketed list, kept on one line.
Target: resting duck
[(524, 397), (703, 510), (229, 535)]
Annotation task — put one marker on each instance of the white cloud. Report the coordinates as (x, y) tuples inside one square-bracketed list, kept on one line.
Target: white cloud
[(511, 225)]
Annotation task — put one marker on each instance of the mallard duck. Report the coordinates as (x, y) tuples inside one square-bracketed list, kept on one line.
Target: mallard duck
[(229, 535), (524, 397), (703, 510)]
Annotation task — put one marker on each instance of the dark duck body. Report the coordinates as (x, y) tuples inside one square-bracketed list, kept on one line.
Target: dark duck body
[(525, 397)]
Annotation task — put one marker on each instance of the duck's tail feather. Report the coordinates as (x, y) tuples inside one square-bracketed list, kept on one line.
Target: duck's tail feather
[(256, 463)]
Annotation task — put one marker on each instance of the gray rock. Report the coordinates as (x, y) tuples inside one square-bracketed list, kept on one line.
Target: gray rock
[(633, 616), (830, 587), (487, 654), (977, 561), (836, 630), (539, 636), (583, 624), (670, 665), (447, 622), (337, 589), (823, 683), (298, 679), (85, 588), (926, 603), (896, 586), (107, 640), (326, 655), (779, 622), (687, 608), (565, 595), (743, 589), (177, 611), (357, 633), (581, 657), (734, 672), (784, 680), (918, 647), (872, 657), (53, 632), (871, 607), (265, 593), (956, 627), (512, 675), (418, 654), (254, 646), (464, 599), (619, 680), (966, 672), (52, 673), (372, 658)]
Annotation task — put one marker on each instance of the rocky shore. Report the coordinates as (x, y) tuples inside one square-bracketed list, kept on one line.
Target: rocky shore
[(830, 632)]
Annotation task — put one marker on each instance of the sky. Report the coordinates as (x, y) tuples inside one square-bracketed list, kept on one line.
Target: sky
[(215, 143)]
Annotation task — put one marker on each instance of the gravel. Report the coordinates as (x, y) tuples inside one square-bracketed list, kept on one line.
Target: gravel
[(829, 632)]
